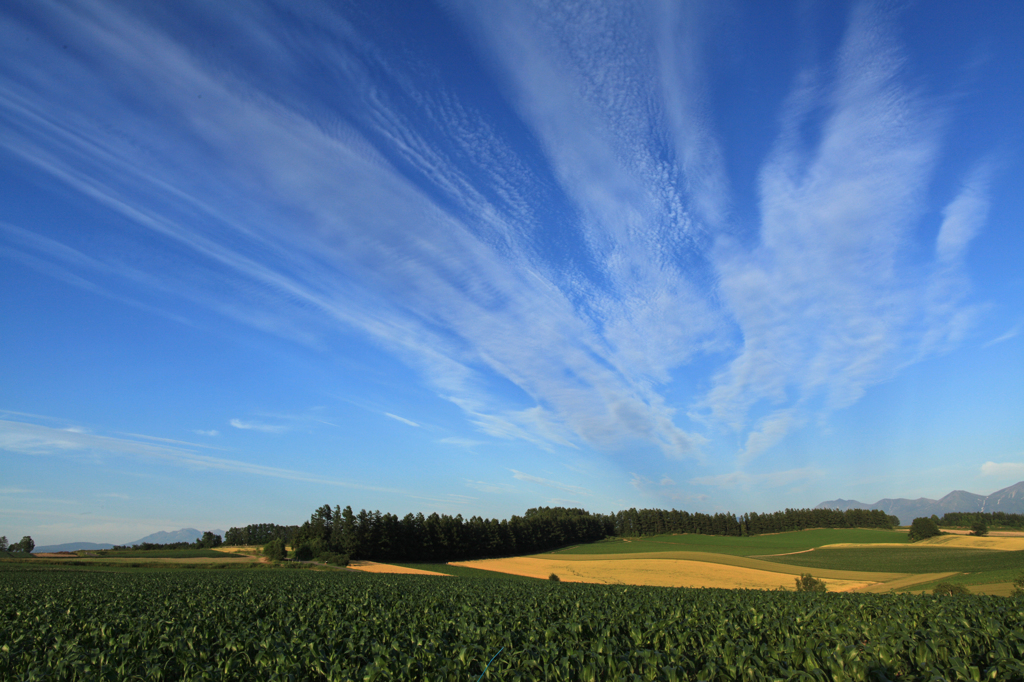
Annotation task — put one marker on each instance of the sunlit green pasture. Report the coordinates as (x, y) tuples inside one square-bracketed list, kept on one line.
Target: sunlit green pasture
[(757, 545), (1006, 576)]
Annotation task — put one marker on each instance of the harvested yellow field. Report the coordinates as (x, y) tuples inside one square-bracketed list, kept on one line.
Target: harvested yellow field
[(660, 572), (239, 550), (55, 555), (730, 560), (1005, 543), (374, 567)]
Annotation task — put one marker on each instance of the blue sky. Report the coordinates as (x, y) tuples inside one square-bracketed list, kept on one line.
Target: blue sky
[(479, 257)]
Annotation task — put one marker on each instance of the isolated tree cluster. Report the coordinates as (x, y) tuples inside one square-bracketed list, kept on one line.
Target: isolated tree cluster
[(808, 583), (923, 527), (26, 545)]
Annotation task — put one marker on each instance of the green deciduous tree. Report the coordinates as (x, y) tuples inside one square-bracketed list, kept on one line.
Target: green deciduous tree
[(209, 540), (979, 528), (274, 550), (3, 543), (922, 528), (303, 551), (26, 545)]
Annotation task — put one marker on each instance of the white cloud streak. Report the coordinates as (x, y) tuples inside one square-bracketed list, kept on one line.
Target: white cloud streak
[(402, 419), (1009, 334), (1003, 469), (744, 480), (33, 439), (257, 426), (575, 490)]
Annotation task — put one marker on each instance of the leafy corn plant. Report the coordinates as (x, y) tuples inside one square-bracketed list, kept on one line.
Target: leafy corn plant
[(298, 625)]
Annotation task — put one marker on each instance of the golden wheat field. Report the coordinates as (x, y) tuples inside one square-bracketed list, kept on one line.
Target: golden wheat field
[(661, 572)]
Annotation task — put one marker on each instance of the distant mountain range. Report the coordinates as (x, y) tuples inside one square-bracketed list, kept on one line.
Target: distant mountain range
[(161, 538), (166, 537), (1009, 500), (71, 547)]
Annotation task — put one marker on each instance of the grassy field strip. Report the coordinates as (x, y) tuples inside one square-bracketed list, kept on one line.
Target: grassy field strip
[(732, 560), (995, 589), (374, 567), (908, 581), (176, 560), (142, 559), (779, 543), (907, 559)]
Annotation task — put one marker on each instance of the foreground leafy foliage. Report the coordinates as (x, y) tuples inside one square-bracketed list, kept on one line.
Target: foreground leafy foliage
[(298, 625)]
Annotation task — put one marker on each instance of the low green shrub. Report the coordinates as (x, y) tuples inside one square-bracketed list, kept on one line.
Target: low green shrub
[(808, 583), (333, 558), (949, 589)]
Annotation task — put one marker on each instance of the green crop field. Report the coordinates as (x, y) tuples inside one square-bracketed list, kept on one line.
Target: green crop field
[(756, 545), (907, 560), (302, 625), (146, 554)]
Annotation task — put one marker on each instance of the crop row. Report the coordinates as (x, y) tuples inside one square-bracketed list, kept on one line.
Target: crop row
[(299, 625)]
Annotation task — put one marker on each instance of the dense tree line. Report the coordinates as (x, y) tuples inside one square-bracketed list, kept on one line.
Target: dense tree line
[(260, 534), (439, 537), (633, 523), (969, 519)]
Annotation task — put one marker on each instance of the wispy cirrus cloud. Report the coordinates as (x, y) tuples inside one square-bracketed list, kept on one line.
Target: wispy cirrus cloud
[(401, 419), (462, 442), (829, 301), (1011, 333), (257, 426), (771, 480), (451, 299), (550, 277), (34, 439), (575, 490)]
